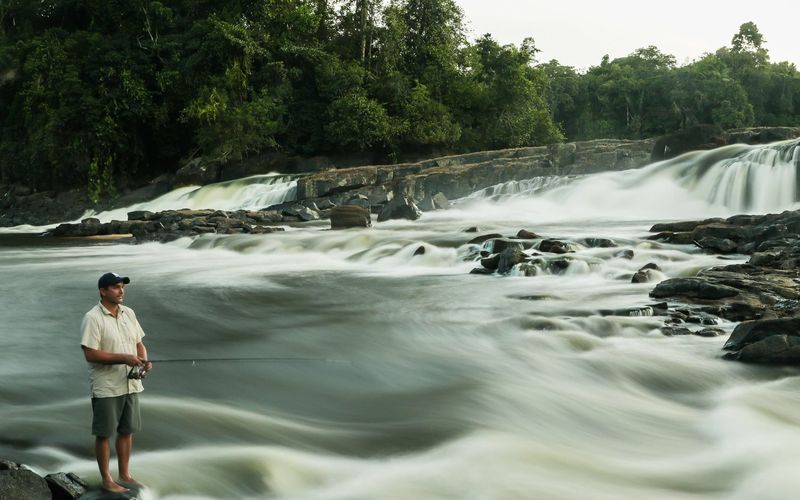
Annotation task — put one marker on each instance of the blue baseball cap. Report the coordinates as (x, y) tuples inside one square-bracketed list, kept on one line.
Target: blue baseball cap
[(110, 279)]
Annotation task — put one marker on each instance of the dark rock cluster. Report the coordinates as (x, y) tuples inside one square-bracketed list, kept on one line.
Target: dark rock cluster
[(173, 224), (764, 292), (19, 482)]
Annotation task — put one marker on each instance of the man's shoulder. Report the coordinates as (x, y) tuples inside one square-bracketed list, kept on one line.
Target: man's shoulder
[(94, 312)]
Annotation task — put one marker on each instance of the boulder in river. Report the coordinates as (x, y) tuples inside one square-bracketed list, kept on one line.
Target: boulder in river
[(346, 216), (401, 207), (19, 482)]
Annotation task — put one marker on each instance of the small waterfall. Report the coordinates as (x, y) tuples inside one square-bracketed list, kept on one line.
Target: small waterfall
[(742, 178), (733, 179), (249, 193), (522, 188)]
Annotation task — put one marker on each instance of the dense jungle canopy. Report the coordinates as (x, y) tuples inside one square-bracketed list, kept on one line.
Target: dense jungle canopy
[(107, 93)]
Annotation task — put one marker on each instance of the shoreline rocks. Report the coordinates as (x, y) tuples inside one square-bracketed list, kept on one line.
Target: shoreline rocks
[(19, 482), (764, 292)]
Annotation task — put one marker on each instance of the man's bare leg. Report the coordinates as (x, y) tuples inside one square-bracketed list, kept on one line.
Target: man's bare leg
[(102, 449), (124, 446)]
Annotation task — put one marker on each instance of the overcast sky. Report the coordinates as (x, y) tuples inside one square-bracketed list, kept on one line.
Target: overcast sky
[(578, 33)]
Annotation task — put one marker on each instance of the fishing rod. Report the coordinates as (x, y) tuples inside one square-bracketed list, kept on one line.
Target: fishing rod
[(138, 372)]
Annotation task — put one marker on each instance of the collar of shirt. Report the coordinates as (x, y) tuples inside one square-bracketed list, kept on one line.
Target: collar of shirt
[(105, 311)]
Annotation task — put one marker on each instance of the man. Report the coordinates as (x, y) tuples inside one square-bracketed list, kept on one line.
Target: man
[(112, 342)]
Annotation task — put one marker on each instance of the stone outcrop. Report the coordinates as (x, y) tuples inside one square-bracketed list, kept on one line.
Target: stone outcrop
[(459, 175), (348, 216), (19, 482), (173, 224), (763, 292)]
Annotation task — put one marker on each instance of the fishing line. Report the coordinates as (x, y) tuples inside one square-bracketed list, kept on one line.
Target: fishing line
[(137, 372)]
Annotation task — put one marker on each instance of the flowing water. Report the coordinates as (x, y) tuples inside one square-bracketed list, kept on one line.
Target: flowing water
[(417, 380)]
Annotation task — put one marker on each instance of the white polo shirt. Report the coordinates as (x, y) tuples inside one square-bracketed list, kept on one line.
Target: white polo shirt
[(104, 332)]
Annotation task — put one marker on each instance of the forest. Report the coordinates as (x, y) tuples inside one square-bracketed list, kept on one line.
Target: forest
[(111, 93)]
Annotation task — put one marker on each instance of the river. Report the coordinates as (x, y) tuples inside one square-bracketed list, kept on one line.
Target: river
[(400, 375)]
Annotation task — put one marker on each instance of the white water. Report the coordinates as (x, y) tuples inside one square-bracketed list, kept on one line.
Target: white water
[(456, 386), (249, 193)]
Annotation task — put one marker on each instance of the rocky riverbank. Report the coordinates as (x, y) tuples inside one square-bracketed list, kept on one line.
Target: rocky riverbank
[(18, 482), (447, 176), (764, 292)]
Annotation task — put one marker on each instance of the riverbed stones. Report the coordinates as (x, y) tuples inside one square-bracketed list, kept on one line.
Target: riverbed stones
[(19, 482), (172, 224), (401, 207), (348, 216), (66, 485)]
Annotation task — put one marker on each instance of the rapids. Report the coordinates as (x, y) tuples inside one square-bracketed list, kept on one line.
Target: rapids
[(426, 381)]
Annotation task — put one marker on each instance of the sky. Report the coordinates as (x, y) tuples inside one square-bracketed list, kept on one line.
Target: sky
[(579, 32)]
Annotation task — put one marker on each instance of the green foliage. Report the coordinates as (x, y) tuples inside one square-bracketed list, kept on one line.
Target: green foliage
[(108, 94)]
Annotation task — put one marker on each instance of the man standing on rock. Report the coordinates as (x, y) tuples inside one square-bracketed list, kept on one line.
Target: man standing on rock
[(112, 341)]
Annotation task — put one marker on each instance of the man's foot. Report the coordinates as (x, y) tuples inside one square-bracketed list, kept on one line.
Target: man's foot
[(129, 481), (112, 487)]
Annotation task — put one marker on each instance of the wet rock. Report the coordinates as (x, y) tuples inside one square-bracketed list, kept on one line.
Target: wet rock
[(750, 332), (692, 287), (401, 207), (649, 310), (647, 273), (436, 202), (682, 330), (302, 212), (420, 250), (508, 258), (624, 254), (478, 240), (721, 245), (66, 486), (775, 350), (497, 245), (491, 262), (554, 246), (140, 215), (359, 200), (670, 331), (524, 234), (19, 482), (347, 216), (473, 229), (598, 243), (481, 270)]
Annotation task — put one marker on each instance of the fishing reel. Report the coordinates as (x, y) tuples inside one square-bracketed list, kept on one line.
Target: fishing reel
[(137, 372)]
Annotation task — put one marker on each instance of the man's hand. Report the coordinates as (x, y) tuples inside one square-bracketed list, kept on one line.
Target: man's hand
[(132, 360)]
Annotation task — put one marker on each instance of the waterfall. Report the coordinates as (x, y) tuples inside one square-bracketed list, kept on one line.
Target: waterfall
[(249, 193)]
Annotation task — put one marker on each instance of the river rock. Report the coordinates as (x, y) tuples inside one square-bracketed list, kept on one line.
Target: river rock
[(524, 234), (436, 202), (509, 258), (66, 486), (401, 207), (17, 482), (775, 350), (694, 288), (497, 245), (648, 272), (750, 332), (554, 246), (347, 216)]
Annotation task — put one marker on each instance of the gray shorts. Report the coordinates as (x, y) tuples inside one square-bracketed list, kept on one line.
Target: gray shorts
[(119, 414)]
